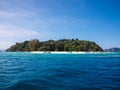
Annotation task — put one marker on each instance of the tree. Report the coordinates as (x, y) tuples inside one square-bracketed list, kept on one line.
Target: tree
[(34, 45), (58, 45)]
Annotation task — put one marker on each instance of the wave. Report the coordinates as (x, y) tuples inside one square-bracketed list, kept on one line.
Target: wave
[(25, 85), (22, 85), (53, 78)]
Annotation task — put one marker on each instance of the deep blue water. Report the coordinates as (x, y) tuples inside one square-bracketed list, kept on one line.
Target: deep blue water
[(27, 71)]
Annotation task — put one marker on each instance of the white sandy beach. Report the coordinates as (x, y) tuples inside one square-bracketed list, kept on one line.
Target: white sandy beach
[(65, 52)]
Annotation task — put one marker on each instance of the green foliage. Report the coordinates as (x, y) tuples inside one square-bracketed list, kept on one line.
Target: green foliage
[(33, 45), (59, 45)]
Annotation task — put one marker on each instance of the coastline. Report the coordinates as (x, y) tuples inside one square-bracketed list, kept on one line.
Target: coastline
[(67, 52)]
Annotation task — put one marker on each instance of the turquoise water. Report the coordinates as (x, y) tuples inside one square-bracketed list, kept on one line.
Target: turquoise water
[(27, 71)]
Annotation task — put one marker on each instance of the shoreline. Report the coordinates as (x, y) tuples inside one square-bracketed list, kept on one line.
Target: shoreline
[(67, 52)]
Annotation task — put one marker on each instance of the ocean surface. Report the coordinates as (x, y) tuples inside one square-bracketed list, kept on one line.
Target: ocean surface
[(32, 71)]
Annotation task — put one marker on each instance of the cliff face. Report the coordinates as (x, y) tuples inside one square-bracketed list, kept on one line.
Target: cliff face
[(58, 45), (112, 50)]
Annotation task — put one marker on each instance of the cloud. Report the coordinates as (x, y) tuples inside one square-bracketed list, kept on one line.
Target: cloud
[(10, 34), (10, 31), (15, 14), (16, 5), (5, 44), (16, 8), (20, 18)]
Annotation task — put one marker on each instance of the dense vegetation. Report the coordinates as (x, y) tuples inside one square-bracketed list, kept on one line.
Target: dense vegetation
[(59, 45)]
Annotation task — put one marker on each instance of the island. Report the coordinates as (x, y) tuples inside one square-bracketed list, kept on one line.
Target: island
[(114, 49), (56, 45)]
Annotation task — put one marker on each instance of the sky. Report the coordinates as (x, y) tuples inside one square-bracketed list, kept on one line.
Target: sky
[(93, 20)]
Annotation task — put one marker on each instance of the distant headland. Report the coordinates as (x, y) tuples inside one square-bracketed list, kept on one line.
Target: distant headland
[(56, 45), (114, 49)]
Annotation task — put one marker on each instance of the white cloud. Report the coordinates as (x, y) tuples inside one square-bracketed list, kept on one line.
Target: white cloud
[(15, 14), (10, 34), (5, 44), (15, 31)]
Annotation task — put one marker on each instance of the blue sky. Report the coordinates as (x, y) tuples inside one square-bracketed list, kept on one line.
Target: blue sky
[(93, 20)]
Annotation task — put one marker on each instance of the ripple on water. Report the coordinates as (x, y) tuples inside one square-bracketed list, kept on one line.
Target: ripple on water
[(26, 71)]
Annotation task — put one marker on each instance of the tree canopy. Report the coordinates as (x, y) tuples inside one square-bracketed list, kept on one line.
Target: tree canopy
[(58, 45)]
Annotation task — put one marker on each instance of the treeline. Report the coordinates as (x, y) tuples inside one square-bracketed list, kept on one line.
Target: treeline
[(58, 45)]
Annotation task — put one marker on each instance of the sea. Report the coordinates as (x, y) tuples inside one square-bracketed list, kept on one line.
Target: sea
[(35, 71)]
